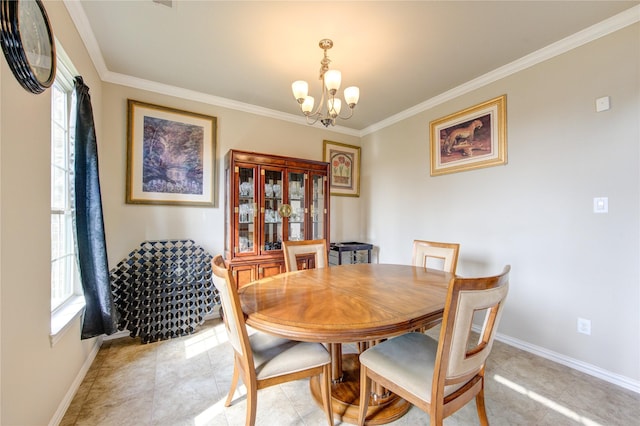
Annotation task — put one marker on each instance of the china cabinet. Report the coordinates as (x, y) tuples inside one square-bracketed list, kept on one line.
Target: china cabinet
[(270, 199)]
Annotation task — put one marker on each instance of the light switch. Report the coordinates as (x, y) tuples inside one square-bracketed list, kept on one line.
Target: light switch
[(602, 104), (601, 205)]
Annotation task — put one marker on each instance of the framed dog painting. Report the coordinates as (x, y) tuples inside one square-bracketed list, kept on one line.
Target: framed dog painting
[(470, 139)]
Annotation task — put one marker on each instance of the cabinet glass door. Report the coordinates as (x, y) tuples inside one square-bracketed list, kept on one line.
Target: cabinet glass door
[(318, 206), (297, 203), (271, 218), (246, 210)]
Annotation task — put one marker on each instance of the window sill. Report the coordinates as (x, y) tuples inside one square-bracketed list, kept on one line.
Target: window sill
[(63, 317)]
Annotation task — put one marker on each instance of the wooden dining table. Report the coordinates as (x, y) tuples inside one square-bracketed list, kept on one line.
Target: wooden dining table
[(356, 303)]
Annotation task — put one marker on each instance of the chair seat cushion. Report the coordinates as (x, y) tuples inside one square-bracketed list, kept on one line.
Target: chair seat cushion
[(408, 359), (274, 356)]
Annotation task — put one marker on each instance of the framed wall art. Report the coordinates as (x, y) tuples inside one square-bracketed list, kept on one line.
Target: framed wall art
[(470, 139), (170, 156), (345, 168)]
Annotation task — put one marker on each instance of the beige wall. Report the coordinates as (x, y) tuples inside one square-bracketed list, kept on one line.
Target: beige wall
[(535, 213), (127, 225), (35, 376)]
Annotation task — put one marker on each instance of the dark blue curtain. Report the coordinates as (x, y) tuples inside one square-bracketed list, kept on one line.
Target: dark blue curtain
[(100, 315)]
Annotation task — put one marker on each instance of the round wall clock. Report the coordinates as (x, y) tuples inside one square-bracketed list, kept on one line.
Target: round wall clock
[(28, 44)]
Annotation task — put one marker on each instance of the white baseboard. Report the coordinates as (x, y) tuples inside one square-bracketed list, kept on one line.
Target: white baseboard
[(608, 376), (117, 335), (66, 401)]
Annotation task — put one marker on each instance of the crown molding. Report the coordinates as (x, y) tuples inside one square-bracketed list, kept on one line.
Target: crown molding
[(601, 29), (81, 22), (178, 92)]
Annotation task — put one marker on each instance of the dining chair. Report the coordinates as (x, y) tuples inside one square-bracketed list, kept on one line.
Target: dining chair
[(308, 253), (441, 376), (436, 255), (311, 254), (263, 360)]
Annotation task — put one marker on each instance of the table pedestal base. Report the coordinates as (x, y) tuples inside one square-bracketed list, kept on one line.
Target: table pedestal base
[(345, 397)]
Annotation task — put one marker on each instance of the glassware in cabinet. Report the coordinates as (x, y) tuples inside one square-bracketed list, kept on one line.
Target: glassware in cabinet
[(318, 207), (297, 201), (246, 210), (272, 200)]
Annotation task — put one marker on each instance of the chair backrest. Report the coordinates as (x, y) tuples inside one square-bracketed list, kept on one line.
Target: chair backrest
[(293, 249), (431, 254), (232, 311), (459, 359)]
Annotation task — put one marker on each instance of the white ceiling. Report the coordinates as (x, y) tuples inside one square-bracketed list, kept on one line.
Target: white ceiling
[(245, 55)]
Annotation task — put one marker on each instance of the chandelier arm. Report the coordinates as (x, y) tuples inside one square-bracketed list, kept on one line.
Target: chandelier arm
[(311, 122), (318, 110), (348, 116)]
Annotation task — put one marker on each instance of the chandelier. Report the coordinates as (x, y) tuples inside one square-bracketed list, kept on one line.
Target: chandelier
[(330, 106)]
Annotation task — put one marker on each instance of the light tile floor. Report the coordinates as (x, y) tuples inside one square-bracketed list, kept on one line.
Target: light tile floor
[(184, 381)]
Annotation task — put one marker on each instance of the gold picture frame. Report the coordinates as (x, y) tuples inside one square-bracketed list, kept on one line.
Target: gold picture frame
[(170, 156), (470, 139), (344, 161)]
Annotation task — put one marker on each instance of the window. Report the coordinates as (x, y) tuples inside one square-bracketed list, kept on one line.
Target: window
[(63, 256), (66, 292)]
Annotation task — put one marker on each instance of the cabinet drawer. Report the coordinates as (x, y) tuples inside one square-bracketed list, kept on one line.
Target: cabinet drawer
[(249, 272), (269, 269), (244, 274)]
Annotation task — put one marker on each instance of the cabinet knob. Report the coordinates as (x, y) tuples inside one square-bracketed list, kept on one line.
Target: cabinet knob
[(284, 210)]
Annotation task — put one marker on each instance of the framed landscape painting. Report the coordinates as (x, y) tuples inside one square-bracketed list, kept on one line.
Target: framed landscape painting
[(170, 156), (470, 139), (345, 168)]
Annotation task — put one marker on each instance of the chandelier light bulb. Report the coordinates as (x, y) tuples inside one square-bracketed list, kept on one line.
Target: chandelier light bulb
[(335, 105), (332, 79), (351, 96), (300, 90), (307, 105)]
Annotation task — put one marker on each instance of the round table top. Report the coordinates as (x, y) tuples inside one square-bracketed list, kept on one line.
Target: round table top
[(347, 303)]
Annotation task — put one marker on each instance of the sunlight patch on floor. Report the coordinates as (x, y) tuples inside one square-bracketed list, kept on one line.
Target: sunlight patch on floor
[(546, 402), (205, 340), (205, 417), (209, 414)]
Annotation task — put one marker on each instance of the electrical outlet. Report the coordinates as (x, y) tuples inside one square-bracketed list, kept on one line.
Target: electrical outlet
[(584, 326)]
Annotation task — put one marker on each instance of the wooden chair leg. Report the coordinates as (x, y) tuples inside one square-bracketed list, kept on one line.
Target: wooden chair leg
[(365, 391), (482, 412), (435, 414), (234, 384), (252, 405), (325, 389)]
